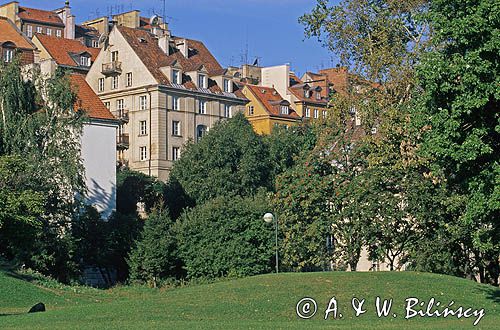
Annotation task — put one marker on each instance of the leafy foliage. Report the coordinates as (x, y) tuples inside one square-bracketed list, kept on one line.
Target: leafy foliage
[(226, 237), (460, 123), (230, 160), (154, 257)]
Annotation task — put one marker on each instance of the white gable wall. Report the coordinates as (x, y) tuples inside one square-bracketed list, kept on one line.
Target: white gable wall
[(98, 151)]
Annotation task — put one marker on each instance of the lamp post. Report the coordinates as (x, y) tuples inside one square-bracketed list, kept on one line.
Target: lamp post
[(269, 218)]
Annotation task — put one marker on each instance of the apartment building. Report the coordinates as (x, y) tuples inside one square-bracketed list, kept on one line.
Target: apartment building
[(166, 90), (98, 140)]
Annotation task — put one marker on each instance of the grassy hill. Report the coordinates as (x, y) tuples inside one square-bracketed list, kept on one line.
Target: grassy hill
[(260, 302)]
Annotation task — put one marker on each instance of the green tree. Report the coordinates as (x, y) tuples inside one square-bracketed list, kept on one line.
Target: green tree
[(38, 123), (154, 257), (460, 124), (226, 237), (230, 160)]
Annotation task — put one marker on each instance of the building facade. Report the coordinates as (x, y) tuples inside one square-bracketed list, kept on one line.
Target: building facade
[(266, 109), (98, 140), (165, 90)]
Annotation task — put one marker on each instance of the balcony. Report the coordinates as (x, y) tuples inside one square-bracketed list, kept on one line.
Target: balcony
[(112, 68), (122, 115), (122, 141)]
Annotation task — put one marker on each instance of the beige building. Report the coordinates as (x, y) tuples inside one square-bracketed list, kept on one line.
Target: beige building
[(166, 90)]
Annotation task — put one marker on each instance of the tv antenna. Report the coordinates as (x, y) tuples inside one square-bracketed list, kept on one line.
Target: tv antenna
[(164, 12)]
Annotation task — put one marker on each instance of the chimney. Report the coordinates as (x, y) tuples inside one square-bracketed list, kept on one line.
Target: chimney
[(129, 19), (11, 11), (182, 45), (163, 42)]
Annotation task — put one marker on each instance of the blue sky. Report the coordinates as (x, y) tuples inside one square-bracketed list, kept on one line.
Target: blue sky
[(225, 26)]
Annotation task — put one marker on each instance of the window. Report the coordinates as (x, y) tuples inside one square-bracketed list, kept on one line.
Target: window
[(114, 56), (250, 110), (202, 81), (176, 76), (318, 96), (143, 102), (107, 105), (176, 153), (29, 31), (8, 55), (100, 84), (49, 32), (129, 79), (227, 86), (201, 130), (95, 43), (143, 153), (284, 109), (120, 105), (38, 29), (84, 61), (176, 103), (176, 128), (202, 107), (228, 111), (58, 33), (316, 113), (308, 113), (324, 114), (143, 128), (114, 82)]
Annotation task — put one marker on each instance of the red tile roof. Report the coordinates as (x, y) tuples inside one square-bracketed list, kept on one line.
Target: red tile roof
[(270, 99), (87, 100), (10, 33), (146, 47), (38, 15), (60, 49), (298, 92)]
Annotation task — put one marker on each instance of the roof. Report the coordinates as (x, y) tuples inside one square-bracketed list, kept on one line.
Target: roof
[(87, 100), (85, 31), (10, 33), (298, 91), (60, 49), (146, 47), (38, 15), (270, 98)]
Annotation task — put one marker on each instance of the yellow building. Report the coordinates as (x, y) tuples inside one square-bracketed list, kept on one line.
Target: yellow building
[(266, 109)]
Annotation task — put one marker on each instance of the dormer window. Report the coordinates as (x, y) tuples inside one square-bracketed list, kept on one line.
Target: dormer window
[(284, 110), (318, 96), (84, 60), (306, 93), (227, 86), (176, 76), (202, 81), (8, 55)]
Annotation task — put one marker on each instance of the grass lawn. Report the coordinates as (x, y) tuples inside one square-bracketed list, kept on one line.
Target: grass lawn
[(259, 302)]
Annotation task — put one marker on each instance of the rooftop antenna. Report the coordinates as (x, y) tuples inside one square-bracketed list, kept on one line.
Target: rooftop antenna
[(164, 12)]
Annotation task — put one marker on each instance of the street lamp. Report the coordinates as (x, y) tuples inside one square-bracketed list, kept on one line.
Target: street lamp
[(269, 218)]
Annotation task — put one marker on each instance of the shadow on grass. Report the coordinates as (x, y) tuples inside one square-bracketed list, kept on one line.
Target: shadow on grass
[(491, 293)]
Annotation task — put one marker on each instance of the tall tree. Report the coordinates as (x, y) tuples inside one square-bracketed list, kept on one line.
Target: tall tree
[(230, 160), (460, 124)]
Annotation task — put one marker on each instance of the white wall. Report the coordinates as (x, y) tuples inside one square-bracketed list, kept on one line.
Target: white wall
[(99, 160), (279, 78)]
